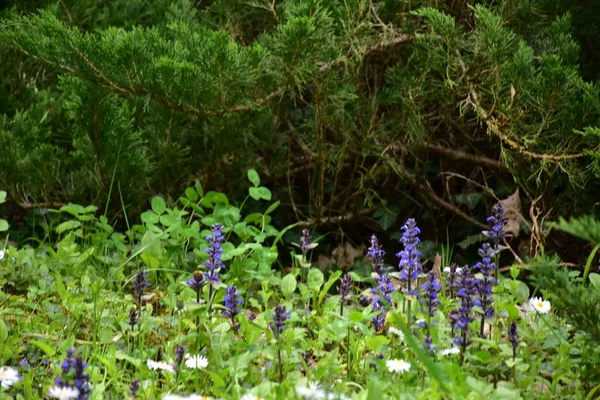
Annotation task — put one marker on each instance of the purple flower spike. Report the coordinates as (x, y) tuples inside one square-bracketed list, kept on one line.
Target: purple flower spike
[(410, 266), (78, 379), (378, 321), (464, 316), (485, 285), (139, 283), (430, 290), (345, 290), (280, 315), (384, 288), (215, 253), (134, 387), (232, 302), (498, 221), (375, 254), (513, 338)]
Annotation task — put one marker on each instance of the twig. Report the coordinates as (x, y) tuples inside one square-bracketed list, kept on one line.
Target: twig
[(400, 40), (462, 156), (337, 219)]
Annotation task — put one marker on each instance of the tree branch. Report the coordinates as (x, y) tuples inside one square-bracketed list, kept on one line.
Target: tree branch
[(106, 83), (462, 156)]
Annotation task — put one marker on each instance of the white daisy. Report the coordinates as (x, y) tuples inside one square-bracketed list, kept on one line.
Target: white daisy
[(196, 362), (451, 350), (2, 252), (397, 366), (63, 392), (311, 391), (169, 396), (8, 377), (160, 365), (539, 305), (397, 332)]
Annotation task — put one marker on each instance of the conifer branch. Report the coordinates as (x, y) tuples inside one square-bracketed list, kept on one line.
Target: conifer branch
[(493, 125), (101, 80)]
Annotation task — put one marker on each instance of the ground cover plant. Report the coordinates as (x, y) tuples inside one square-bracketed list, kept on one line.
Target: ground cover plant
[(195, 302)]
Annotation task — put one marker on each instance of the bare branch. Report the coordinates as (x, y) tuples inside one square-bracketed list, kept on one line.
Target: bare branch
[(462, 156)]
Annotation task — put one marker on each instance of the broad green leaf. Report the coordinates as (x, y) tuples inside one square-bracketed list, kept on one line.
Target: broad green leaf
[(332, 279), (216, 379), (168, 219), (3, 225), (191, 194), (2, 196), (149, 217), (356, 316), (258, 193), (199, 190), (522, 292), (67, 225), (89, 209), (374, 342), (158, 205), (3, 331), (375, 391), (49, 350), (595, 280), (252, 217), (253, 177), (213, 198), (288, 285), (315, 279)]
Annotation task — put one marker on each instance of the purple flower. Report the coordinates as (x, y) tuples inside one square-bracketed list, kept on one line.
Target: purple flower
[(305, 244), (196, 283), (430, 290), (214, 263), (464, 316), (378, 320), (232, 302), (498, 221), (73, 369), (485, 285), (430, 300), (345, 287), (410, 266), (384, 288), (280, 315), (345, 290), (139, 283), (513, 338), (134, 387), (179, 354), (375, 254), (364, 300), (133, 318), (453, 280)]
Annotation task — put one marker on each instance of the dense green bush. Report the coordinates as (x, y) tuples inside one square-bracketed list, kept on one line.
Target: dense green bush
[(352, 109)]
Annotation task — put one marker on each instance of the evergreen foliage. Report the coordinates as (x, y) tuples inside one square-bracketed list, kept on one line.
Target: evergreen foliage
[(343, 105)]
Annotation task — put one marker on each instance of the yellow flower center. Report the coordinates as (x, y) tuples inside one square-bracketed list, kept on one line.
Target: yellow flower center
[(540, 304)]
